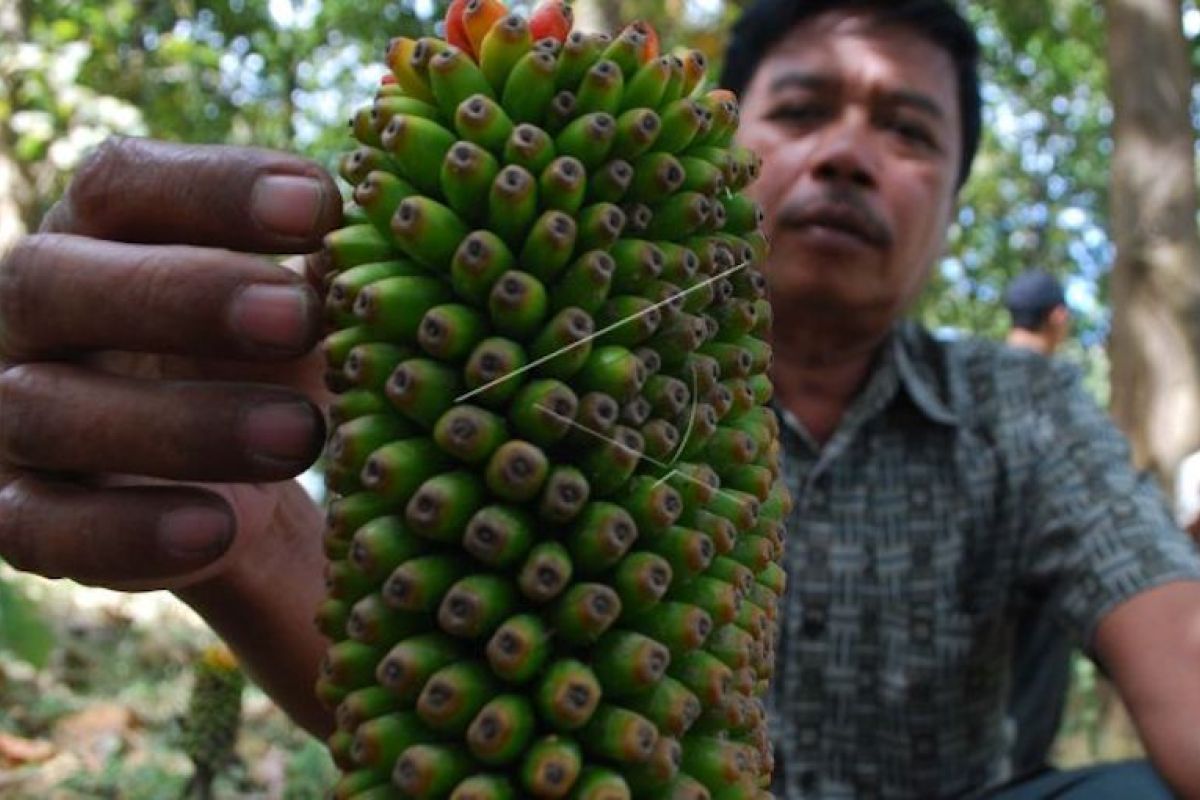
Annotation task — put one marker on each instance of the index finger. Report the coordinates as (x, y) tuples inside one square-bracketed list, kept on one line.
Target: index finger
[(148, 192)]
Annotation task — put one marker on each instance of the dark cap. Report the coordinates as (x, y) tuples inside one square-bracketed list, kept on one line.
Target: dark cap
[(1032, 296)]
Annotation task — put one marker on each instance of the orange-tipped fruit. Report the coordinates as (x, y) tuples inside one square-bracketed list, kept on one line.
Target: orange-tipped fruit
[(651, 49), (456, 29), (478, 18), (551, 19)]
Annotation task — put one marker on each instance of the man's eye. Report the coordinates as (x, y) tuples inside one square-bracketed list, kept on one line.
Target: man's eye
[(797, 112), (914, 132)]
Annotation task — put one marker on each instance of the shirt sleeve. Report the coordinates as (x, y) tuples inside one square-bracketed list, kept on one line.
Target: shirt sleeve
[(1098, 532)]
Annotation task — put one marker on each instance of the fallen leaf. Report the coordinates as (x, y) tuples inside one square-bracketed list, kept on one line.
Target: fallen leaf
[(16, 751), (97, 733)]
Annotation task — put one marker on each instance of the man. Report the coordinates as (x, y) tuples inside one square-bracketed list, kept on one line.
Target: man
[(1038, 308), (942, 489), (916, 529)]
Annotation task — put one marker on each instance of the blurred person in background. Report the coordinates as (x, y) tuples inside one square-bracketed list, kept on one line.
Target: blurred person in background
[(1041, 320)]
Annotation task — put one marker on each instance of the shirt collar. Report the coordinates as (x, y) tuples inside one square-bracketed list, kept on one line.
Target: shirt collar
[(923, 365), (911, 359)]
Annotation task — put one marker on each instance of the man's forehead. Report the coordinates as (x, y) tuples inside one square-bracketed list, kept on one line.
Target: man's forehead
[(837, 45)]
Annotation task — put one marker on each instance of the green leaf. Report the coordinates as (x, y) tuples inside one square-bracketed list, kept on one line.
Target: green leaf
[(23, 630)]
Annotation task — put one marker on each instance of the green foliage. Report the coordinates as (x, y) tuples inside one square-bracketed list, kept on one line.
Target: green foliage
[(231, 72), (24, 632), (107, 660), (1038, 196), (118, 778), (309, 771)]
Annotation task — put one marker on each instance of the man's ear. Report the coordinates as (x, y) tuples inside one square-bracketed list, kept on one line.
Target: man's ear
[(1060, 322)]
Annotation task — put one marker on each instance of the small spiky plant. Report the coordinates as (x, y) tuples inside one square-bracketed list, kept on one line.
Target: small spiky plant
[(214, 717), (557, 515)]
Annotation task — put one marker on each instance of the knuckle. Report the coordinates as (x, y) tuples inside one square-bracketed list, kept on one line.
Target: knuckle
[(19, 542), (98, 181), (21, 430), (18, 305)]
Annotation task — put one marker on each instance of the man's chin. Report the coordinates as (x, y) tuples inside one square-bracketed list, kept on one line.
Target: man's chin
[(821, 294), (830, 308)]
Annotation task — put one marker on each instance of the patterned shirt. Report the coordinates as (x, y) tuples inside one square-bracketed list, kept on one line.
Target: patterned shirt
[(968, 481)]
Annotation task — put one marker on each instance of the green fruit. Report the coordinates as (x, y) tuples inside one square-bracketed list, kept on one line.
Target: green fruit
[(556, 510), (419, 584), (562, 185), (503, 46), (467, 174), (426, 771), (512, 205), (530, 87), (480, 119), (454, 76), (647, 86), (551, 767), (530, 147), (500, 732), (417, 147), (601, 88), (404, 670), (588, 138), (454, 695), (579, 53), (519, 648)]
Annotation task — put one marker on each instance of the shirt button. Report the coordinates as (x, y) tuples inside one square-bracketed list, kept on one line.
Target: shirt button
[(814, 622), (808, 780)]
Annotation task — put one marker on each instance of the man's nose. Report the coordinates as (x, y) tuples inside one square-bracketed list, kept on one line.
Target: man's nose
[(846, 154)]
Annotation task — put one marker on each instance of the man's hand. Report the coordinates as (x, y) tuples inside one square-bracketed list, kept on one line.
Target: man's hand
[(160, 384)]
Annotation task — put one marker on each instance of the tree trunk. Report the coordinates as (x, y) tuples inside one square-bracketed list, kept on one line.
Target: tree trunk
[(1155, 289)]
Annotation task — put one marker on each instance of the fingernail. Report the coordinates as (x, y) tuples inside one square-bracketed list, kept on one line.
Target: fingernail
[(280, 432), (287, 204), (194, 533), (274, 315)]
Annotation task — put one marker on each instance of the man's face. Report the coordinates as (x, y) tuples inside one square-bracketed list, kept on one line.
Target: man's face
[(859, 129)]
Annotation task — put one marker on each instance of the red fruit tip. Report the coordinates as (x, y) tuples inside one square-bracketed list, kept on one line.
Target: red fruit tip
[(650, 49), (553, 19), (456, 28)]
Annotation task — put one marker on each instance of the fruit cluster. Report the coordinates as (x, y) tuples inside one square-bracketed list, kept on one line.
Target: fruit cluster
[(557, 513)]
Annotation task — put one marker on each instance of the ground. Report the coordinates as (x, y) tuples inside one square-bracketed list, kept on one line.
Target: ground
[(102, 718)]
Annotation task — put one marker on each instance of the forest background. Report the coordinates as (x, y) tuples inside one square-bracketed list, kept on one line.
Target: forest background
[(1087, 169)]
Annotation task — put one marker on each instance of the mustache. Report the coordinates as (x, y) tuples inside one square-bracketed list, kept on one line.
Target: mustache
[(841, 208)]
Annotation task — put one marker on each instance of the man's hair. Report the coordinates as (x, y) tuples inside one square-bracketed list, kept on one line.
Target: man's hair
[(1031, 297), (767, 22)]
